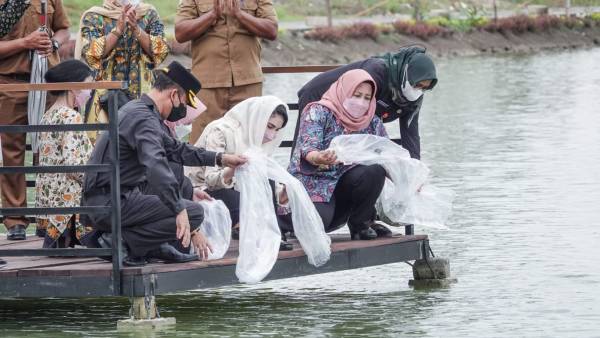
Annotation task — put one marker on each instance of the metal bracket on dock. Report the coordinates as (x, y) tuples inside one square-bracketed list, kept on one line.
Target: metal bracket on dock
[(145, 307), (143, 312), (431, 272)]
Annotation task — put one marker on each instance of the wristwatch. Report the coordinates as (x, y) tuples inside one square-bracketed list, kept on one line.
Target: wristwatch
[(219, 159), (55, 45)]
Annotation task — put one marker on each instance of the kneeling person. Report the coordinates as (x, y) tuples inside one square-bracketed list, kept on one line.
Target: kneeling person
[(155, 217)]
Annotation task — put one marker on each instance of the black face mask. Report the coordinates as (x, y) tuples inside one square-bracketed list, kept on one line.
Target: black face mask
[(177, 112)]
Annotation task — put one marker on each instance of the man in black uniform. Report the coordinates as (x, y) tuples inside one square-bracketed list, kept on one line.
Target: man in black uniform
[(401, 79), (156, 218)]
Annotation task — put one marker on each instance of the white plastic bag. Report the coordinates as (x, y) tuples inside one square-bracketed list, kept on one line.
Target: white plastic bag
[(431, 207), (400, 200), (216, 227), (308, 225), (259, 232)]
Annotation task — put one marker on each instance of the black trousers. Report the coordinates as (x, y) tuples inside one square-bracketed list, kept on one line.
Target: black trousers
[(146, 222), (353, 199), (231, 198)]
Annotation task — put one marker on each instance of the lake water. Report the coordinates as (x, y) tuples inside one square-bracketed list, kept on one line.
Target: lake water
[(518, 139)]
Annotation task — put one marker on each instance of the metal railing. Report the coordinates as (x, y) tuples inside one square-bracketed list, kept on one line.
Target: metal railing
[(113, 168)]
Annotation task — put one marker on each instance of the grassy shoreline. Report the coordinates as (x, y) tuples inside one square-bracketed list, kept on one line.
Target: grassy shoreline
[(443, 27), (298, 10)]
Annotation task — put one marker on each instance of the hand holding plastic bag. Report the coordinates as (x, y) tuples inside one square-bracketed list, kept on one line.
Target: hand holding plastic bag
[(406, 196)]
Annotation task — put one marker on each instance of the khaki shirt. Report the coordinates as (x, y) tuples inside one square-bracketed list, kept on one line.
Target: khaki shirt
[(20, 63), (227, 54)]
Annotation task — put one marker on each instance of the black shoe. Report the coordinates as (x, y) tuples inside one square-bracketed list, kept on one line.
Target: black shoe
[(381, 230), (285, 246), (40, 233), (167, 253), (104, 241), (365, 234), (16, 233), (134, 261)]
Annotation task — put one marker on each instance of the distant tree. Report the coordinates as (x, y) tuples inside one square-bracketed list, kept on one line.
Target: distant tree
[(329, 15), (417, 10)]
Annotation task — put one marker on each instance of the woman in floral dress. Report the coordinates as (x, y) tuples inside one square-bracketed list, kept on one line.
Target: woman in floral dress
[(342, 194), (120, 43), (63, 148)]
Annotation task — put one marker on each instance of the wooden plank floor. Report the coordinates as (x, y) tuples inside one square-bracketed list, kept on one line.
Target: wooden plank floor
[(92, 277), (57, 266)]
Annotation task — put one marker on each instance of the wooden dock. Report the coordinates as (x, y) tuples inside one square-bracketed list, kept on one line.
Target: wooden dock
[(92, 277)]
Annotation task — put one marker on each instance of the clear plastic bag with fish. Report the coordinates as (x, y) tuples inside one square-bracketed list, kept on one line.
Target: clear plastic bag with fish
[(406, 198), (259, 233)]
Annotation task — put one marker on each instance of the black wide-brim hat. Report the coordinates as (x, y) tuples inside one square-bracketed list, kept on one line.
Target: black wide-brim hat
[(186, 80)]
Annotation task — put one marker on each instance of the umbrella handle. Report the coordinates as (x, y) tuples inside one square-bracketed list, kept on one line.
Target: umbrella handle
[(43, 15)]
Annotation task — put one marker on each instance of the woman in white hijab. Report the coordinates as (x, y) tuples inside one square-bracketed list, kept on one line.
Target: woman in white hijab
[(254, 122)]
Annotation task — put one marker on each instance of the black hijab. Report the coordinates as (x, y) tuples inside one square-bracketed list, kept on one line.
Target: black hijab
[(417, 64)]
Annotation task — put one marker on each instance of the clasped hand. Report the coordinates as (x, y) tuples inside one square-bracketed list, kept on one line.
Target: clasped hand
[(128, 18), (226, 6)]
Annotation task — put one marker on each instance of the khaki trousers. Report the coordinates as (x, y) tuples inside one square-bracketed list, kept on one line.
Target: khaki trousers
[(218, 101), (13, 110)]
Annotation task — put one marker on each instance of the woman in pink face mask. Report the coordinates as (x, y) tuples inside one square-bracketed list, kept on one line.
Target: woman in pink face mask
[(342, 194), (64, 148)]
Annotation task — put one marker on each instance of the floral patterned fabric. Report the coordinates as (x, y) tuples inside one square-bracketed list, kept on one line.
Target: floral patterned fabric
[(318, 126), (126, 62), (61, 189), (10, 13)]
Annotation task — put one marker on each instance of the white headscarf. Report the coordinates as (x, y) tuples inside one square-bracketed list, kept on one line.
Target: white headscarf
[(245, 124)]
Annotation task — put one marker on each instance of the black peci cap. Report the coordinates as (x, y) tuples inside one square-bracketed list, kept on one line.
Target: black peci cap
[(178, 74)]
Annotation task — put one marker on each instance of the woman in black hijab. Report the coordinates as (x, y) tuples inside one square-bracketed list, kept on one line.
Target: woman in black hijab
[(401, 78)]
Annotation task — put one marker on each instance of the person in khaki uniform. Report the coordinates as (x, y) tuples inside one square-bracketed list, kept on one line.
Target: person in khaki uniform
[(226, 48), (15, 67)]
